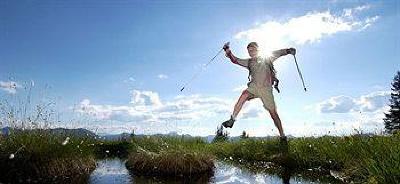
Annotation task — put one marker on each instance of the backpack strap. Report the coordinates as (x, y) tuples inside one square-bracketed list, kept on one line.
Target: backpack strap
[(248, 67), (275, 80)]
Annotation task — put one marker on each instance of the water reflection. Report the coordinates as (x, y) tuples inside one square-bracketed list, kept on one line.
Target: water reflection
[(226, 173), (110, 170), (114, 171)]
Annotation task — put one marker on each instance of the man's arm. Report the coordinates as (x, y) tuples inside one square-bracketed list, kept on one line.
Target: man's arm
[(234, 59), (282, 52)]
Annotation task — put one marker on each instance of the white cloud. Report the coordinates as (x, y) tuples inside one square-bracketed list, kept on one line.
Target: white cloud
[(369, 21), (342, 115), (101, 112), (9, 86), (372, 102), (337, 104), (308, 28), (146, 108), (145, 98), (162, 76), (130, 80), (349, 12), (240, 88), (252, 113)]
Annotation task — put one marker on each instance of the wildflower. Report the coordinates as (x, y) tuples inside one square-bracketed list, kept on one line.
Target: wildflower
[(107, 151), (65, 141), (11, 156), (337, 175), (230, 158)]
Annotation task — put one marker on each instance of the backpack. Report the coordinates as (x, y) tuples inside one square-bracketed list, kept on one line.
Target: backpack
[(274, 81)]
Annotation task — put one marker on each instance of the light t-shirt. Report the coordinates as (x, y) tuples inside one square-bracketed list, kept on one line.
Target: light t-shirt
[(261, 69)]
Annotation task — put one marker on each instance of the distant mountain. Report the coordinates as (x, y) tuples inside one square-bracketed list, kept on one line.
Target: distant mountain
[(209, 138), (115, 137), (79, 132), (5, 131)]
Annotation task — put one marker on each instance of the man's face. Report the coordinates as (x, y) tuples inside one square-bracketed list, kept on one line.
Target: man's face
[(253, 52)]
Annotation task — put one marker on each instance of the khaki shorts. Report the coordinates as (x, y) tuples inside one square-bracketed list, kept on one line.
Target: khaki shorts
[(264, 93)]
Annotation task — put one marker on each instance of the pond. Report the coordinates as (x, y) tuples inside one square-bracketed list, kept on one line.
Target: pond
[(113, 170)]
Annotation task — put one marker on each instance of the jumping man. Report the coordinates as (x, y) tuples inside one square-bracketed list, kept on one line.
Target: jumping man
[(262, 78)]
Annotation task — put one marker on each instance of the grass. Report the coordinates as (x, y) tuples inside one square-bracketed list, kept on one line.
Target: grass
[(30, 153), (40, 156), (175, 163), (372, 159), (356, 158), (119, 149), (170, 157), (36, 154)]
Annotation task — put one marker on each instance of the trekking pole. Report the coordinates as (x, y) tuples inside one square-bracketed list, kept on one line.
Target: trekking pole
[(198, 72), (298, 70)]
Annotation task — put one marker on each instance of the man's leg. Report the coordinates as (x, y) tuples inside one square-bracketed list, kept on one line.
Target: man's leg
[(239, 104), (282, 139), (277, 121), (267, 98)]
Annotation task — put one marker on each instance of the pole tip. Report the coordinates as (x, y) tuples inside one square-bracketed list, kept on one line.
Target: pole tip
[(182, 88), (305, 89)]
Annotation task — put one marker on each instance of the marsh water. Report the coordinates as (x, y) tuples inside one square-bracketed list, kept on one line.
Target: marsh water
[(113, 170)]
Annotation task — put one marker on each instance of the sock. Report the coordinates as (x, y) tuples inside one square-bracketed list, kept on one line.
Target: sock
[(233, 117)]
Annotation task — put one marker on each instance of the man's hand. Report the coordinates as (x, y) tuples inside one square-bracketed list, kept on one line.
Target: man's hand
[(226, 46), (226, 49), (228, 52), (291, 51)]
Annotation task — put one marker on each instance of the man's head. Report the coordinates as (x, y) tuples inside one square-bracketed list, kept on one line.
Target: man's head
[(252, 48)]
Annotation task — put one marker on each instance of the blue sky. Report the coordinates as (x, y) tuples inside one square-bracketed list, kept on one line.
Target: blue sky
[(114, 66)]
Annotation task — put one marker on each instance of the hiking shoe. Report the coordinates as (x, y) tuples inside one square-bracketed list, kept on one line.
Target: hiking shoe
[(228, 123), (283, 140), (284, 147)]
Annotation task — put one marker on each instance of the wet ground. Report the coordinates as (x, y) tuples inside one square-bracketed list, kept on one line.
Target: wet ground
[(114, 171)]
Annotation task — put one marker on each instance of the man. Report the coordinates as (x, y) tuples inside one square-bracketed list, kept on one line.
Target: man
[(261, 80)]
